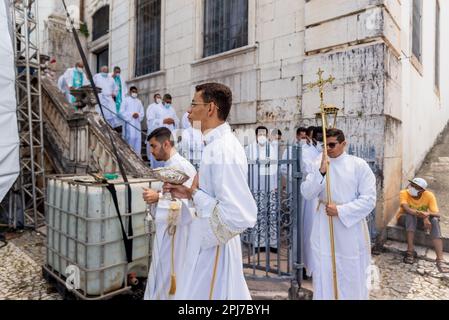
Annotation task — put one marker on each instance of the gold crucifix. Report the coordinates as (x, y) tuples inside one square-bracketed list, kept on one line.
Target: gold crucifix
[(321, 83)]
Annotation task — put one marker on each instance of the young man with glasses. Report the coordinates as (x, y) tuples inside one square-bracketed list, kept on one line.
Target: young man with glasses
[(353, 194), (224, 205)]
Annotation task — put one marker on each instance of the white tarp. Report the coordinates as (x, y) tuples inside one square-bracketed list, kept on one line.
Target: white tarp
[(9, 137)]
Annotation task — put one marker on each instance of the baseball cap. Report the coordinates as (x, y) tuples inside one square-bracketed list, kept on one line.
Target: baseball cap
[(419, 182)]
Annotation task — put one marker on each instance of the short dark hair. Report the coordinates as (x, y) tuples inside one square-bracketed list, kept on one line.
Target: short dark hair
[(218, 93), (311, 131), (117, 69), (337, 133), (161, 135), (167, 96), (261, 128), (301, 129), (133, 88), (156, 94)]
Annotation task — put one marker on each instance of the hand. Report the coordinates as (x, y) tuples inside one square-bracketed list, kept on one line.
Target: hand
[(422, 214), (169, 121), (135, 115), (178, 191), (196, 182), (150, 196), (324, 163), (331, 210), (427, 224)]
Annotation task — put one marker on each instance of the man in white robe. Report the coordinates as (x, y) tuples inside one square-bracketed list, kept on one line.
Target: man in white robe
[(161, 115), (263, 182), (224, 205), (122, 92), (353, 194), (170, 243), (75, 78), (309, 154), (133, 114), (192, 144), (62, 85), (185, 123), (156, 102), (108, 91)]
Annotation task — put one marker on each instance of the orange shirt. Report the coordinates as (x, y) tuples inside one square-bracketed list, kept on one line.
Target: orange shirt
[(427, 202)]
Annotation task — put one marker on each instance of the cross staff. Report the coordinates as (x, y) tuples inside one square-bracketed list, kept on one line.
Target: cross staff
[(321, 83)]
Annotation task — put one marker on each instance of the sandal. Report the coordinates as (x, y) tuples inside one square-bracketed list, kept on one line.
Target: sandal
[(409, 258), (440, 267)]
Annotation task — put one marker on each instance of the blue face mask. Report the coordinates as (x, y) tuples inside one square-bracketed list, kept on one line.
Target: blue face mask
[(104, 74), (167, 106)]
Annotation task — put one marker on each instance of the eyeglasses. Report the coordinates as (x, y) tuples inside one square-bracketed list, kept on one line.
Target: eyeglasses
[(332, 145), (194, 104)]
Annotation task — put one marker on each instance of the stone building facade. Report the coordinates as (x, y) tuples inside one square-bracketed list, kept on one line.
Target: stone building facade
[(385, 55)]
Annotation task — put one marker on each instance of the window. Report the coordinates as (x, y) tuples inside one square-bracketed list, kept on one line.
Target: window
[(417, 29), (100, 22), (437, 46), (102, 58), (148, 44), (225, 25)]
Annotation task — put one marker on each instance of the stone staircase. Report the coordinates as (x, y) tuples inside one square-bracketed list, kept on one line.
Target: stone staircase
[(78, 142)]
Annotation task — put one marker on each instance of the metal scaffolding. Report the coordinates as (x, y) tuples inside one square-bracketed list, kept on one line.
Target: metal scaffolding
[(31, 183)]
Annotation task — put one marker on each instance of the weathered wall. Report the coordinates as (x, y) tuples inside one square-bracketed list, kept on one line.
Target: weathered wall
[(425, 111), (60, 43)]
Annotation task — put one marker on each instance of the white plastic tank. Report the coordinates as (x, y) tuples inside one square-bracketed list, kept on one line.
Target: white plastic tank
[(83, 230)]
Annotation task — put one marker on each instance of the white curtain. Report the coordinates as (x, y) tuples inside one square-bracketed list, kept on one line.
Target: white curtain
[(9, 138)]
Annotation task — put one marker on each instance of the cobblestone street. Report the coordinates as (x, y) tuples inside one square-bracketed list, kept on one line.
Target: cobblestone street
[(21, 275)]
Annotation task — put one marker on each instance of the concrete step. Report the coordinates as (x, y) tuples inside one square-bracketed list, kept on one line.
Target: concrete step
[(397, 233)]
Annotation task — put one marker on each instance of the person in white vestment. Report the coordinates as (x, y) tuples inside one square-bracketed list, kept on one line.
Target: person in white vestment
[(132, 112), (185, 123), (172, 228), (162, 115), (192, 144), (353, 194), (108, 91), (308, 154), (157, 100), (263, 183), (223, 202), (75, 78), (62, 85), (122, 93)]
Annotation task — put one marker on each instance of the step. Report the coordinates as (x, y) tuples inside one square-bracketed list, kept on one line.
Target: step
[(397, 233)]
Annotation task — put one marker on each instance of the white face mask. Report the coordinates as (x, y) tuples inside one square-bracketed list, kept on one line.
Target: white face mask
[(413, 192), (158, 101), (134, 95), (302, 142), (319, 146), (262, 140)]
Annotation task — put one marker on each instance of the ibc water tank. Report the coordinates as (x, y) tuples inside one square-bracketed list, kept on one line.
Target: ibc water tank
[(83, 230)]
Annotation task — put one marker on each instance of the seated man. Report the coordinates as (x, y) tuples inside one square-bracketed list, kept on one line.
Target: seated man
[(419, 209)]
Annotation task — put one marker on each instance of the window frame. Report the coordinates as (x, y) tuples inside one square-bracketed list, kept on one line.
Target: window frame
[(199, 34), (104, 9), (437, 67), (417, 61), (134, 40), (214, 46)]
